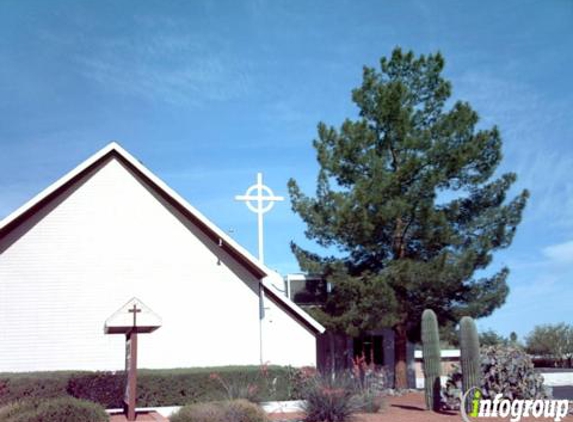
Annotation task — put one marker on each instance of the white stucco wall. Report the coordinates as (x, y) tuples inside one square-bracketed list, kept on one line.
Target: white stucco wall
[(285, 343), (109, 240)]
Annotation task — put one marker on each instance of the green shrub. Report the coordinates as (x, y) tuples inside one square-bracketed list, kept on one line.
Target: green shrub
[(244, 411), (257, 387), (11, 410), (170, 387), (504, 370), (238, 389), (330, 398), (35, 385), (105, 388), (64, 409), (235, 411), (297, 379), (179, 386), (368, 402), (199, 412), (368, 383)]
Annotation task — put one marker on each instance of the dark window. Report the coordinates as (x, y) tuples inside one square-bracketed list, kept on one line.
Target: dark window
[(371, 348), (311, 291)]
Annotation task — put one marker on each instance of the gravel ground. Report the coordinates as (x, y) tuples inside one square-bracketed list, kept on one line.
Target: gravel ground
[(410, 408)]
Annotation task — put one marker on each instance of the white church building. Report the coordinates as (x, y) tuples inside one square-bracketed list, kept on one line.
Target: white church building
[(111, 230)]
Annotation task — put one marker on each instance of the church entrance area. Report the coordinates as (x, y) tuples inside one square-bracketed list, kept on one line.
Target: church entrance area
[(369, 349), (375, 349)]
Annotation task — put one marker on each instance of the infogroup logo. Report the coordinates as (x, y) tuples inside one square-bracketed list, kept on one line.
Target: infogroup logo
[(516, 409)]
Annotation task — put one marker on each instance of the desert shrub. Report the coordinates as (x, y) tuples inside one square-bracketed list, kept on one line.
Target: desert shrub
[(330, 398), (237, 388), (9, 411), (369, 376), (297, 379), (244, 411), (368, 402), (64, 409), (234, 410), (267, 383), (336, 396), (69, 409), (199, 412), (504, 370), (369, 383)]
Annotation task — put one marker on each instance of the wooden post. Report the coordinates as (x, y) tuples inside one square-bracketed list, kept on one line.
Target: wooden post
[(119, 324), (131, 373)]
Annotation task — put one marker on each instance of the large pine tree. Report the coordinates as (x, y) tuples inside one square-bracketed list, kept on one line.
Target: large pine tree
[(407, 206)]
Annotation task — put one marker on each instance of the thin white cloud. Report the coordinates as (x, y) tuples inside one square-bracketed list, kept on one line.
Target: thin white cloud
[(561, 253), (526, 120), (198, 79), (548, 176), (205, 173), (166, 62)]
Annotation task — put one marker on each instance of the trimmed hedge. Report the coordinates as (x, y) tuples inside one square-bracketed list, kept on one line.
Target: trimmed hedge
[(171, 387), (105, 388), (40, 385)]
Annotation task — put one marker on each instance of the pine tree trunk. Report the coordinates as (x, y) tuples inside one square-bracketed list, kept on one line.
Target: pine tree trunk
[(400, 334), (400, 357)]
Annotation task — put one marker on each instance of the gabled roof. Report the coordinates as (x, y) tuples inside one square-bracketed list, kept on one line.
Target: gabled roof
[(217, 235)]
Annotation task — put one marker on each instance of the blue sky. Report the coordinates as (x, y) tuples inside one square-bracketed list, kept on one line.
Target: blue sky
[(207, 93)]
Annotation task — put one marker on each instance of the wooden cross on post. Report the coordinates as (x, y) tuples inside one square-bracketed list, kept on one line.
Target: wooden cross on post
[(131, 366), (135, 310), (122, 323)]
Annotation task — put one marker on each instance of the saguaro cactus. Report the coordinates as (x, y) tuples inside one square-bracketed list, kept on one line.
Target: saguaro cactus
[(470, 358), (432, 359)]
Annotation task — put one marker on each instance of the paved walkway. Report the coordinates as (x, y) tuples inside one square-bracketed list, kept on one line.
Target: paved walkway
[(563, 392), (141, 417)]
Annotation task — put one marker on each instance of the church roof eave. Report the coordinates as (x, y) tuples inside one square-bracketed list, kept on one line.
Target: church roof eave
[(20, 215)]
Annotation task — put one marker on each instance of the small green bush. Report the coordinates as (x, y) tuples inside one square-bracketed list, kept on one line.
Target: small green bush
[(65, 409), (199, 412), (368, 402), (234, 410), (11, 410), (504, 370), (244, 411)]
